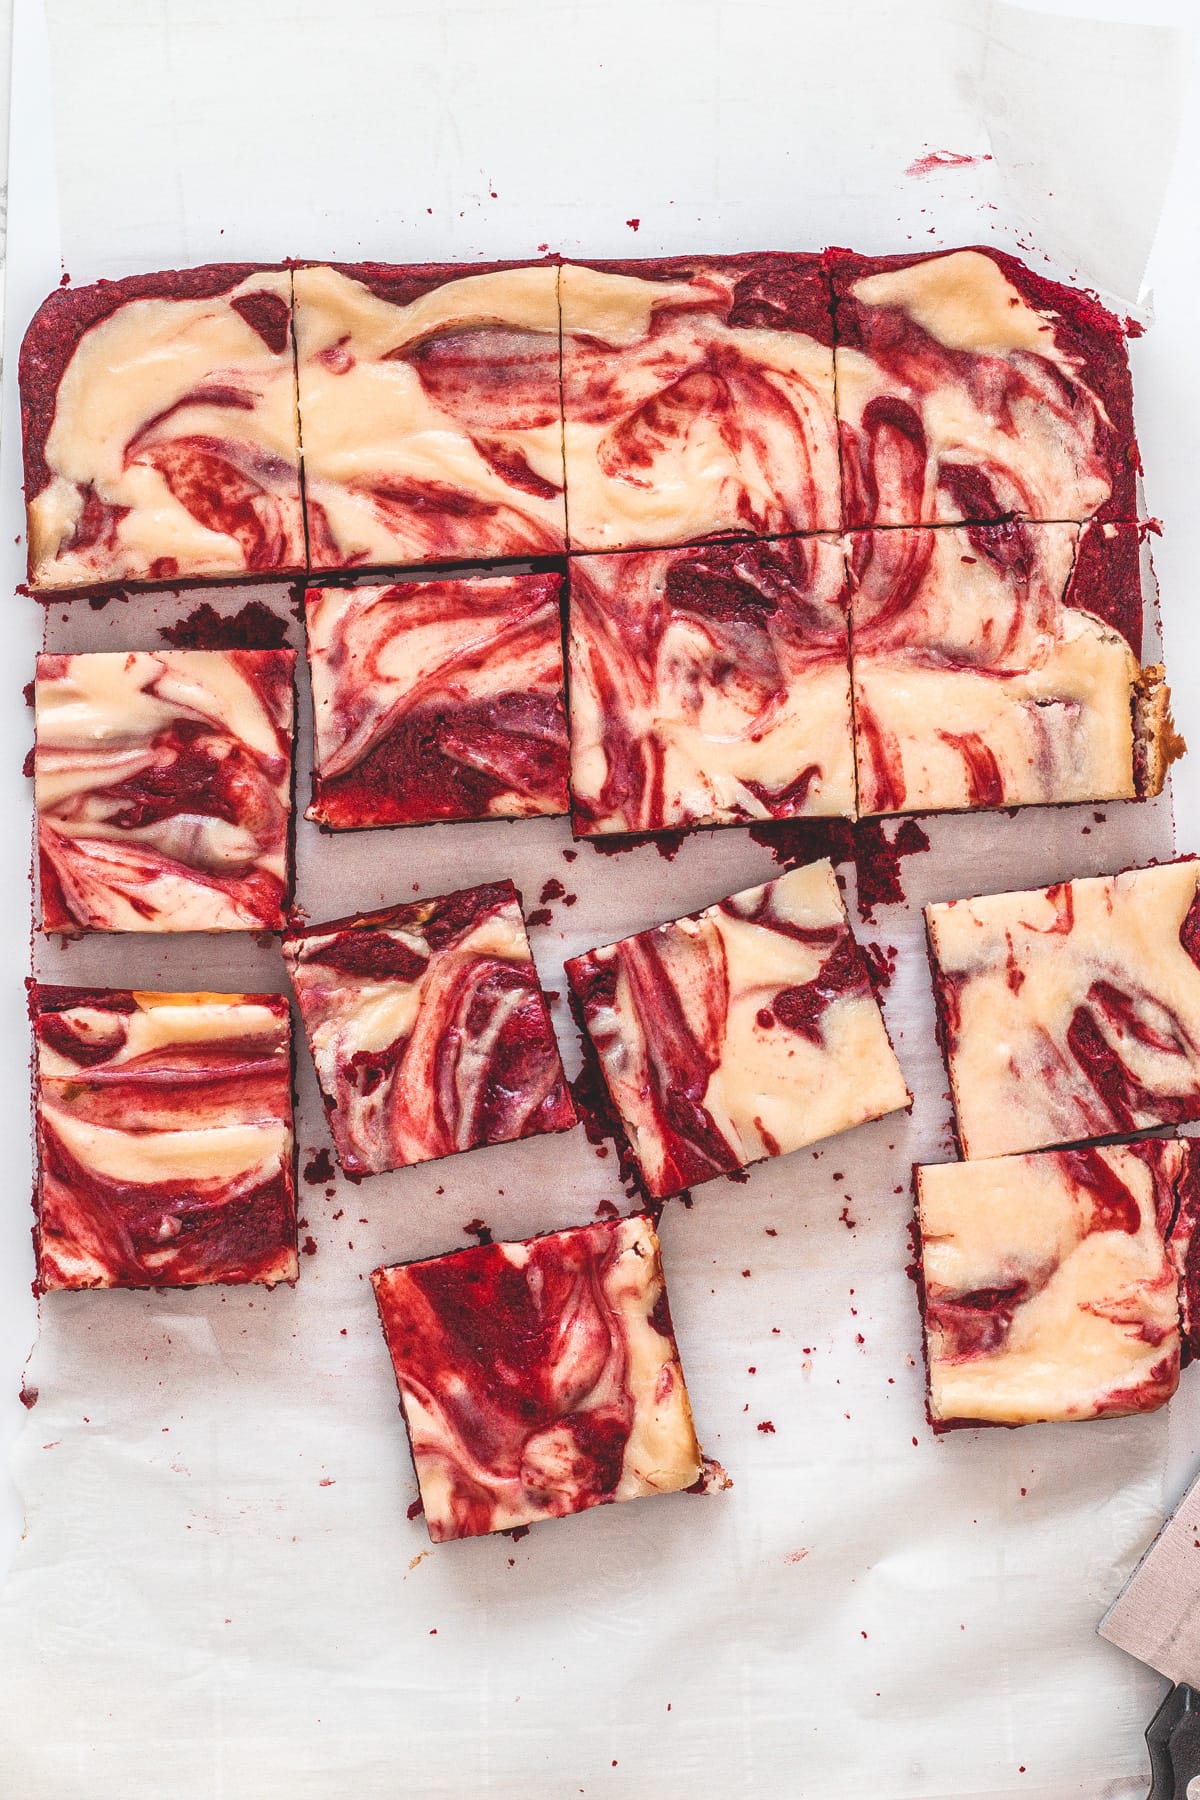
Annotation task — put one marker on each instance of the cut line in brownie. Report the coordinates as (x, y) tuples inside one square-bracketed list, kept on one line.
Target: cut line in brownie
[(1071, 1012), (698, 399), (160, 430), (741, 1032), (1051, 1282), (165, 1140), (431, 413), (970, 389), (709, 686), (162, 781), (437, 700), (996, 665), (428, 1028), (538, 1379)]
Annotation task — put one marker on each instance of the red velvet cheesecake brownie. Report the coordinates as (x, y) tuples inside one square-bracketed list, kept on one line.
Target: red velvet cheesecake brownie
[(1073, 1012), (161, 441), (428, 1028), (996, 665), (698, 400), (164, 1132), (431, 413), (538, 1379), (1049, 1290), (437, 700), (740, 1032), (163, 789), (970, 389), (709, 685)]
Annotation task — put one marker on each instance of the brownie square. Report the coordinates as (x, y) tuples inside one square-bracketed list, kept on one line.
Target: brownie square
[(1072, 1012), (710, 685), (1049, 1289), (428, 1028), (996, 665), (165, 1142), (437, 700), (740, 1032), (970, 389), (163, 789), (698, 400), (538, 1379), (160, 431), (431, 413)]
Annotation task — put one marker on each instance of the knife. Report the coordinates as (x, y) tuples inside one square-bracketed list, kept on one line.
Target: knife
[(1156, 1617)]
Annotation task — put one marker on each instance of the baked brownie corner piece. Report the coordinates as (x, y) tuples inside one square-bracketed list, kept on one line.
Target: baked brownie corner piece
[(431, 413), (437, 700), (165, 1141), (160, 432), (163, 789), (538, 1379), (698, 400), (971, 389), (709, 685), (1072, 1012), (997, 665), (428, 1028), (1049, 1290), (740, 1032)]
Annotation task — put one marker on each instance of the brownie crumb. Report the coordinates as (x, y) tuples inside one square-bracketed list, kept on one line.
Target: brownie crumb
[(253, 627), (319, 1168)]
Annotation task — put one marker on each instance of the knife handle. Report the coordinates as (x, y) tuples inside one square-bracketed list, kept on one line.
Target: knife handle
[(1173, 1740)]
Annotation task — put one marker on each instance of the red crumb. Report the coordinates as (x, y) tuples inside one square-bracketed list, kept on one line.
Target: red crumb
[(847, 1221), (633, 226), (667, 843), (319, 1167), (416, 1508), (28, 1397), (881, 965), (253, 627), (327, 1481), (766, 1427), (795, 1556), (876, 856), (944, 159), (539, 916), (477, 1229), (552, 890), (309, 1246)]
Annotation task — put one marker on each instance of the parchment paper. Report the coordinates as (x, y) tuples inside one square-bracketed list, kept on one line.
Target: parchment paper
[(220, 1596)]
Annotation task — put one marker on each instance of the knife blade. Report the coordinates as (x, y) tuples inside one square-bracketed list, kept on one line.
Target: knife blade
[(1156, 1617)]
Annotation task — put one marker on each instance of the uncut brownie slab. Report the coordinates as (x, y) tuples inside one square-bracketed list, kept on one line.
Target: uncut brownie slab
[(160, 432), (165, 1141), (428, 1028), (1071, 1012), (430, 411), (997, 665), (538, 1379), (162, 781), (1050, 1282), (970, 388), (698, 399), (437, 700), (740, 1032), (709, 685)]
